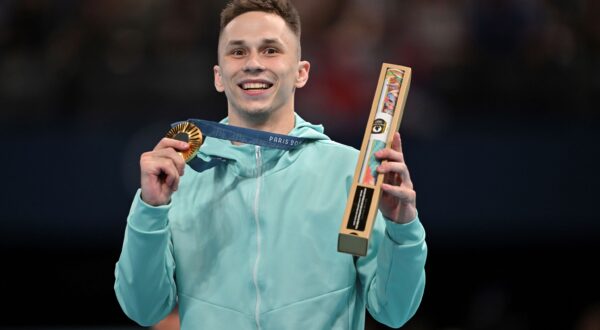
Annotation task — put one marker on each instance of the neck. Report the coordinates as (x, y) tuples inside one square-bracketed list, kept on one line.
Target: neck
[(275, 123)]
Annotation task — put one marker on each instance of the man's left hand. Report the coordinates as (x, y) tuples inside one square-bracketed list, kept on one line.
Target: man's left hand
[(398, 198)]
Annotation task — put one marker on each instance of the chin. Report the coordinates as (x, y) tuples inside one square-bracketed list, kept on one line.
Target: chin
[(256, 114)]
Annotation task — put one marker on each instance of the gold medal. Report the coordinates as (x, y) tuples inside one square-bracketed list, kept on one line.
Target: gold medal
[(190, 133)]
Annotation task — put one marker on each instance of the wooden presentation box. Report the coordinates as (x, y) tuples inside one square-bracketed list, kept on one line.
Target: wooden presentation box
[(384, 121)]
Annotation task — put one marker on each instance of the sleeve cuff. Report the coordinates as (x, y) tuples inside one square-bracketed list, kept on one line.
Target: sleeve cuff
[(405, 233), (147, 218)]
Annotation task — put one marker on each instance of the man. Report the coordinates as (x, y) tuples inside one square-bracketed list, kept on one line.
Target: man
[(251, 243)]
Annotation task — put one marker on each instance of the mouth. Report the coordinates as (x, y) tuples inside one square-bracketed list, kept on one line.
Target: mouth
[(255, 85)]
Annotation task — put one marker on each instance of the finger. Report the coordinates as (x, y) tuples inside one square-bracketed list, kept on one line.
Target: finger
[(392, 178), (396, 167), (174, 156), (394, 153), (169, 172), (389, 154), (162, 168), (405, 194), (150, 160), (171, 143)]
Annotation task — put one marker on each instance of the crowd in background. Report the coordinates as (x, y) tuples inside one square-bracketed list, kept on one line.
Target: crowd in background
[(114, 60)]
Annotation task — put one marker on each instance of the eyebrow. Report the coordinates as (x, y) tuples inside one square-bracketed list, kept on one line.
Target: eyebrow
[(266, 41)]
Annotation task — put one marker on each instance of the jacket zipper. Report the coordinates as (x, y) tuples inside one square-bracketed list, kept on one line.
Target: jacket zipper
[(258, 234)]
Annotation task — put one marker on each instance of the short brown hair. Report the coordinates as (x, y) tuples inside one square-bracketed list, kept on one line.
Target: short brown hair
[(283, 8)]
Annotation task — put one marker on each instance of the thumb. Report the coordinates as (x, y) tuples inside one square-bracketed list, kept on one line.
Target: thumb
[(396, 142)]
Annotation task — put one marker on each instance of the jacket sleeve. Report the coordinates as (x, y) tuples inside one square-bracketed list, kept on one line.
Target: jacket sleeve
[(144, 281), (392, 275)]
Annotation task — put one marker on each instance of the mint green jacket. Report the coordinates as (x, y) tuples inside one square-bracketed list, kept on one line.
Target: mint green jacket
[(252, 244)]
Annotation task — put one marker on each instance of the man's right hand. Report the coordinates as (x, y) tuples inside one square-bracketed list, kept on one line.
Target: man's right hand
[(161, 169)]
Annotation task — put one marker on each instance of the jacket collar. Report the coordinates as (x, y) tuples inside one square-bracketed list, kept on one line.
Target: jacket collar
[(243, 158)]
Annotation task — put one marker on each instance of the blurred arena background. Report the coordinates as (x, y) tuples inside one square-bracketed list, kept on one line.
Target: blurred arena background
[(500, 132)]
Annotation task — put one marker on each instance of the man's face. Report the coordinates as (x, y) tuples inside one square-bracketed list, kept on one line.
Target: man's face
[(259, 67)]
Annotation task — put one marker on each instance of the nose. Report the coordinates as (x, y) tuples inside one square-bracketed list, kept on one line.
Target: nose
[(253, 63)]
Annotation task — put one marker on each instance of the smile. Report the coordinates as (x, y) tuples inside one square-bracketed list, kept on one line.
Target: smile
[(255, 85)]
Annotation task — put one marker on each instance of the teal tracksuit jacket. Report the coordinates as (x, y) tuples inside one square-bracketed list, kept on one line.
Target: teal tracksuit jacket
[(252, 244)]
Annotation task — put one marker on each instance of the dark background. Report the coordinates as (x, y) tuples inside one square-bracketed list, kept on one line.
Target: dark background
[(500, 133)]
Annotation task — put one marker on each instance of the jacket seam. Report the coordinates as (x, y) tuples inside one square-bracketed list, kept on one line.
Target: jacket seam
[(213, 304), (389, 271), (307, 299)]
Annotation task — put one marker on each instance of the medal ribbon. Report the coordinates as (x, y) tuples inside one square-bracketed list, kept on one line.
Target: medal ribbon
[(247, 135), (239, 134)]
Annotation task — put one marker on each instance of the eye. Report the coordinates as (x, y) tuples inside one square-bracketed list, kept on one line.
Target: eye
[(237, 52), (271, 51)]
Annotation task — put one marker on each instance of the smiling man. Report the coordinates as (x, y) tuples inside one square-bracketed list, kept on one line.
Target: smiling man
[(259, 70), (251, 243)]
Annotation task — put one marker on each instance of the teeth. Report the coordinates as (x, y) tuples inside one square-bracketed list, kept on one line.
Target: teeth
[(255, 86)]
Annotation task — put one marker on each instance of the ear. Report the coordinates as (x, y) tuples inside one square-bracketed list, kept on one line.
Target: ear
[(218, 82), (302, 77)]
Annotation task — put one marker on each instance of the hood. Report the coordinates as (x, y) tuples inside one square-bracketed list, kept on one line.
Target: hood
[(307, 130)]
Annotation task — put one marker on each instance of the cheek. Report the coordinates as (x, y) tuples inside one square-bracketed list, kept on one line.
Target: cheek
[(228, 81), (289, 74), (228, 71)]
